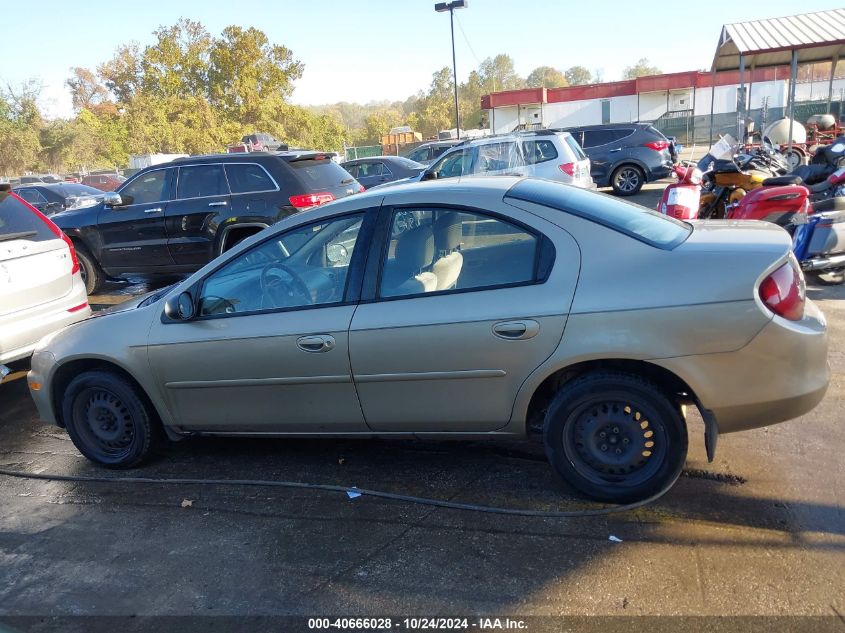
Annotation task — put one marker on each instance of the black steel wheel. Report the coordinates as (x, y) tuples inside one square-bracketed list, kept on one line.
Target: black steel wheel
[(108, 419), (615, 437), (627, 180)]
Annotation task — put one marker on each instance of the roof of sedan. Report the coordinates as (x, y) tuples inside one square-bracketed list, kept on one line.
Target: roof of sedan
[(487, 184)]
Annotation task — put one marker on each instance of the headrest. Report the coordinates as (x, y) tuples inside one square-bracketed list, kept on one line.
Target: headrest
[(448, 231), (414, 249)]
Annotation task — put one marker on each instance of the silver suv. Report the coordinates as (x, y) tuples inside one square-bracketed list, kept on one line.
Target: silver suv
[(547, 154)]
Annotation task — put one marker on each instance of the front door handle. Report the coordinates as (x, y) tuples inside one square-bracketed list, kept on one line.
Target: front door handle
[(516, 330), (153, 210), (222, 203), (616, 150), (316, 344)]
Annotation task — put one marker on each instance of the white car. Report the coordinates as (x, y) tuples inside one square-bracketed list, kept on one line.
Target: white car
[(41, 290), (547, 154)]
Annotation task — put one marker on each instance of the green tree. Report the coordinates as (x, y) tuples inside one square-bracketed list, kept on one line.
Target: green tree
[(546, 77), (641, 69), (577, 75), (497, 74)]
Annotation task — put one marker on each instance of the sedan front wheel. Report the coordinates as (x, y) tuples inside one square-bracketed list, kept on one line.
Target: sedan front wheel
[(615, 437)]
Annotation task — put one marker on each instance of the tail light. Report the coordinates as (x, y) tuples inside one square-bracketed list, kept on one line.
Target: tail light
[(784, 291), (568, 168), (306, 200), (74, 260), (658, 146)]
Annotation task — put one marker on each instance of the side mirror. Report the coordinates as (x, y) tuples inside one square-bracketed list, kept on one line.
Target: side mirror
[(112, 199), (180, 308), (429, 175)]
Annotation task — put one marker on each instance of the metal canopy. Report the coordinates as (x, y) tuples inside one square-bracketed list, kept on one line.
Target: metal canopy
[(816, 37)]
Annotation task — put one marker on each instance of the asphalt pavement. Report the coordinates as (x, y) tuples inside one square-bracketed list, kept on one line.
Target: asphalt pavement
[(759, 532)]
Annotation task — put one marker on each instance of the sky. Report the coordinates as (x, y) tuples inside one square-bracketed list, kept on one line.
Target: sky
[(374, 50)]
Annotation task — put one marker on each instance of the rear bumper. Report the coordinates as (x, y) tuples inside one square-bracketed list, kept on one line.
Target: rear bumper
[(661, 171), (781, 374), (21, 331)]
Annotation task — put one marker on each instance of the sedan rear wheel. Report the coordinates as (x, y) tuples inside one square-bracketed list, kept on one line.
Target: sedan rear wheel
[(615, 437), (108, 419), (627, 180)]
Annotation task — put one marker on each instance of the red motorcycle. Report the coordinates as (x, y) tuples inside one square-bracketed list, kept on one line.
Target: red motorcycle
[(817, 226)]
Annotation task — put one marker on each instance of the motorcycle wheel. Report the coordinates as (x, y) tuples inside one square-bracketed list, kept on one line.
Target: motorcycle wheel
[(834, 277)]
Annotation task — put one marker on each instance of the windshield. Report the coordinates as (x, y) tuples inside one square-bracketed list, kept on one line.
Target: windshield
[(638, 222)]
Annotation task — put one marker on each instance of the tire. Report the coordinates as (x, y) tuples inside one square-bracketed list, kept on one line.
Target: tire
[(630, 462), (92, 275), (109, 420), (834, 277), (627, 180)]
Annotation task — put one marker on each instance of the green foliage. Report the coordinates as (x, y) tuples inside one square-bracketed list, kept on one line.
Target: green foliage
[(546, 77), (190, 91), (577, 76), (641, 69)]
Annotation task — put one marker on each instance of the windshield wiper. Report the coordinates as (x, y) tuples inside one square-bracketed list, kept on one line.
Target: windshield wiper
[(17, 236)]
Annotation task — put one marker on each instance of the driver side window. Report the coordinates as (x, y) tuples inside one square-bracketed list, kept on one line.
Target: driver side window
[(306, 266)]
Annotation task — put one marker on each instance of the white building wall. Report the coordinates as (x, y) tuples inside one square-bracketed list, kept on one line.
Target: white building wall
[(622, 109), (652, 105), (503, 120), (817, 90), (572, 113)]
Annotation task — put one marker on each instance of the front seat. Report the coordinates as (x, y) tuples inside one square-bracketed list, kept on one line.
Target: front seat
[(405, 274), (448, 231)]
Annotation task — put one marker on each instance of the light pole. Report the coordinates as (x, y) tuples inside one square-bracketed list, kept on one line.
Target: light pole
[(440, 7)]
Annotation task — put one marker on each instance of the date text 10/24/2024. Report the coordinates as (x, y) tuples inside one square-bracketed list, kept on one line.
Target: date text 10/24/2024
[(417, 624)]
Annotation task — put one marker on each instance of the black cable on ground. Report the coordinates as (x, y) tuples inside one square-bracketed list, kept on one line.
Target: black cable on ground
[(451, 505)]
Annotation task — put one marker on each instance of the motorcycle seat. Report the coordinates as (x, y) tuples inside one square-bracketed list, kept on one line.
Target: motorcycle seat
[(779, 181), (725, 166)]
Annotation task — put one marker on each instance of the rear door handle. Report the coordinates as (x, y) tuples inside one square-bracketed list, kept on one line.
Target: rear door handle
[(516, 330), (153, 210), (616, 150), (316, 344), (222, 203)]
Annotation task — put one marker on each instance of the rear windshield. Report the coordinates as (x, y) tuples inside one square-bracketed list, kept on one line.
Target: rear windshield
[(19, 222), (321, 173), (638, 222), (573, 145)]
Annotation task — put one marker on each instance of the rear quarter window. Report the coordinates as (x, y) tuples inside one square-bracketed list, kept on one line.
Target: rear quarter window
[(573, 145), (633, 220), (18, 221)]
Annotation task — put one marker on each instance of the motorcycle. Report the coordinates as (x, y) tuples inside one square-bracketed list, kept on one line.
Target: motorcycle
[(730, 175), (818, 229)]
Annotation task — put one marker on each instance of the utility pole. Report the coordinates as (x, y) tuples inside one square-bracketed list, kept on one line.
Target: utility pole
[(441, 7)]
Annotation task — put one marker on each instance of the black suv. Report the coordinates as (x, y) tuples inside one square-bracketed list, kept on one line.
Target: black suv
[(625, 156), (176, 217)]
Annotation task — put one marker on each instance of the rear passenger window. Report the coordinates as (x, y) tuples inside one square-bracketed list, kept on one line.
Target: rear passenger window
[(621, 133), (595, 138), (201, 181), (498, 157), (246, 178), (441, 250), (18, 222), (538, 151)]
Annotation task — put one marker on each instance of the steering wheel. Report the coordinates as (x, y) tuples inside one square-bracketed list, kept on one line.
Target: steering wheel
[(283, 293)]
